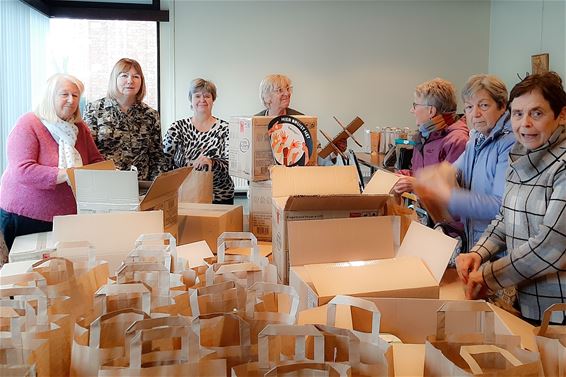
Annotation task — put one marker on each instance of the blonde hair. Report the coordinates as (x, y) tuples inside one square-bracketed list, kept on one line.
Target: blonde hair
[(439, 93), (491, 84), (124, 65), (46, 108), (270, 83)]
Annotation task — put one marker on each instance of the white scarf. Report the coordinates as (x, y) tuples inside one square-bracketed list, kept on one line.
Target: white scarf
[(65, 134)]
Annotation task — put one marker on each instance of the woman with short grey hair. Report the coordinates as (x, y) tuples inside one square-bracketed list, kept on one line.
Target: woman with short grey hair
[(275, 94)]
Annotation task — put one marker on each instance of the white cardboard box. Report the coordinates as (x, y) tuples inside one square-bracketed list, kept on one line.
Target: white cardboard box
[(32, 246), (260, 210), (250, 154)]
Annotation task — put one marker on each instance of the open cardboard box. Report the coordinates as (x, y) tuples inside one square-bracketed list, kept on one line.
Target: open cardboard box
[(358, 257), (32, 246), (412, 320), (207, 222), (250, 146), (99, 188), (316, 193)]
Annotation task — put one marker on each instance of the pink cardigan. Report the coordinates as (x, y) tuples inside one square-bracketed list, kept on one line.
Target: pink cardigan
[(28, 185)]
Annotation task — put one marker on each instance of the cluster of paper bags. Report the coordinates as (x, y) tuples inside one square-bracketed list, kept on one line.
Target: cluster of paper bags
[(228, 317)]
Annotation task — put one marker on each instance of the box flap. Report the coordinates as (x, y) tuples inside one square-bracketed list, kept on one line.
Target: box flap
[(106, 190), (340, 240), (338, 202), (209, 210), (381, 182), (368, 278), (102, 165), (165, 183), (314, 180), (432, 246), (16, 268), (194, 253), (32, 242)]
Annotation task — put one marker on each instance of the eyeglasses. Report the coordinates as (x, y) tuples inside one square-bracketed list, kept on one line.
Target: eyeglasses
[(288, 89), (419, 104)]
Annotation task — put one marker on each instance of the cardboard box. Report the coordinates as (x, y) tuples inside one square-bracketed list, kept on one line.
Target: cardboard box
[(111, 234), (260, 210), (315, 193), (193, 254), (101, 191), (415, 270), (250, 150), (207, 222), (32, 246)]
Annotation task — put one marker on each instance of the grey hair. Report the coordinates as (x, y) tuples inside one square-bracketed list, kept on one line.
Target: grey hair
[(270, 83), (439, 93), (491, 84)]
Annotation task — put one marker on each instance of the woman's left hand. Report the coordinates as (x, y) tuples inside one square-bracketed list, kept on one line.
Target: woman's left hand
[(203, 161)]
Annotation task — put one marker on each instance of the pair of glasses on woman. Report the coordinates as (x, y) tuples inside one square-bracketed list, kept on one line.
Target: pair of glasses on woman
[(419, 104)]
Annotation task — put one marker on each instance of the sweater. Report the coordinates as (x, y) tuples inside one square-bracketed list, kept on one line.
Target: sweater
[(29, 185), (532, 224)]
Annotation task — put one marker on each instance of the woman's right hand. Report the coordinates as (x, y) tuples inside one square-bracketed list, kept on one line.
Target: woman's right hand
[(404, 184), (466, 263)]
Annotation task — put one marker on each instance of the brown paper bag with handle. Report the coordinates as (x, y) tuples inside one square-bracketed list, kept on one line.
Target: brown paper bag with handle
[(302, 369), (197, 187), (444, 355), (100, 340), (31, 353), (282, 344), (36, 323), (145, 359), (551, 343)]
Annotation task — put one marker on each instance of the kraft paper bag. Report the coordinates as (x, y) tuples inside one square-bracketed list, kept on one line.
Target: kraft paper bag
[(36, 323), (310, 370), (197, 187), (30, 353), (496, 355), (551, 343), (99, 340), (147, 358), (280, 345)]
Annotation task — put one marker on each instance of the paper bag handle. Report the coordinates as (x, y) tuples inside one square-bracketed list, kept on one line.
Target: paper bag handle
[(116, 289), (259, 289), (171, 248), (466, 306), (68, 265), (467, 351), (331, 370), (353, 342), (95, 326), (357, 303), (547, 314), (215, 289), (237, 239), (300, 332), (145, 335), (29, 292), (26, 278)]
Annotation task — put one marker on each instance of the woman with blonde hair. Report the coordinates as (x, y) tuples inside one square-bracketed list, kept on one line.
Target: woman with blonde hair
[(275, 94), (40, 148), (125, 129)]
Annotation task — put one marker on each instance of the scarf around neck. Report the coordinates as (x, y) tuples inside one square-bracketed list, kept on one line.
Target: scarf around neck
[(65, 134)]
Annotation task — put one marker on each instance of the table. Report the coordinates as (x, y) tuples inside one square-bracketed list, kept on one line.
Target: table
[(374, 162)]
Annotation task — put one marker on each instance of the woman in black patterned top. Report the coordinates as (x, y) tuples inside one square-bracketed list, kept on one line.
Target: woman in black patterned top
[(124, 128), (201, 140)]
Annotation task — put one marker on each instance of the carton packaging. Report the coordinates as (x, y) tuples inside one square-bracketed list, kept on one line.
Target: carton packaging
[(351, 265), (260, 210), (250, 146), (100, 191), (112, 235), (315, 193), (198, 222), (32, 246)]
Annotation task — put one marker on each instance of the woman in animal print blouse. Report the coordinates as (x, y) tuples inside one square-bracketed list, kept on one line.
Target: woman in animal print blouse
[(201, 140)]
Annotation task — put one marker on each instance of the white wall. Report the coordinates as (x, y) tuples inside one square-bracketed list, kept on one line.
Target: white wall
[(520, 29), (345, 58)]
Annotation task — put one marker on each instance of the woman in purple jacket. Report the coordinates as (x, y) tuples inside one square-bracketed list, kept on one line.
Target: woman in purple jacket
[(442, 136), (40, 148)]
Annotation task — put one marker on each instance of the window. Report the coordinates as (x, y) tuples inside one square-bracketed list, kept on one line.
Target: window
[(88, 49)]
